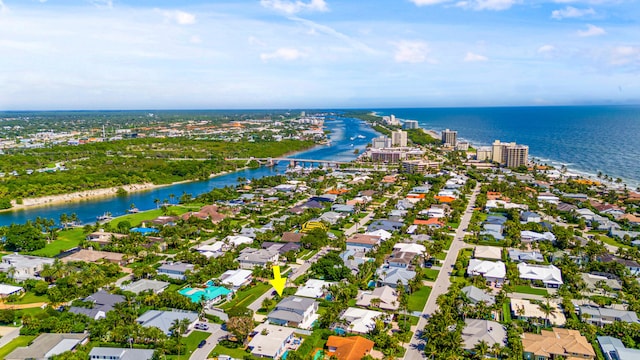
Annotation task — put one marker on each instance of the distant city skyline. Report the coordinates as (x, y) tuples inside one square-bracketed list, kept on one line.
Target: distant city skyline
[(243, 54)]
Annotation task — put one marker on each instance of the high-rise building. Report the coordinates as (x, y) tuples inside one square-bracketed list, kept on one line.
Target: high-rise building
[(410, 124), (381, 142), (387, 156), (399, 138), (515, 155), (509, 154), (462, 146), (483, 153), (449, 137)]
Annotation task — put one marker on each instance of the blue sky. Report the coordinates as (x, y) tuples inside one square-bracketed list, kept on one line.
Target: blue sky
[(224, 54)]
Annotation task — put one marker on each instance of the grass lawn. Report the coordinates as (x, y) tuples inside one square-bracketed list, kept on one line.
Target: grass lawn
[(313, 341), (612, 241), (337, 233), (430, 274), (30, 311), (67, 239), (524, 289), (137, 218), (234, 353), (15, 343), (245, 297), (440, 256), (506, 313), (453, 225), (418, 299), (310, 255), (191, 343), (30, 298)]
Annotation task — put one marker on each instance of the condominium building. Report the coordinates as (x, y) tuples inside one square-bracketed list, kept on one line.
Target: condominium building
[(399, 138), (449, 137), (410, 124), (381, 142), (387, 155), (418, 166), (509, 154)]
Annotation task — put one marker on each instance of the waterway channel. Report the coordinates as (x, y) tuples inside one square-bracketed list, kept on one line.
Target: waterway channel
[(342, 147)]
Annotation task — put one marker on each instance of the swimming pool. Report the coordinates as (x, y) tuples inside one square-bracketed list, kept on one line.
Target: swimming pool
[(209, 293)]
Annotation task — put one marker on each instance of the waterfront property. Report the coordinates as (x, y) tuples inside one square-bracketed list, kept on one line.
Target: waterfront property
[(23, 267)]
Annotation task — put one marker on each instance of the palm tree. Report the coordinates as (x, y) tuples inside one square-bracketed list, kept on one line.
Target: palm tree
[(157, 202), (481, 349), (172, 197)]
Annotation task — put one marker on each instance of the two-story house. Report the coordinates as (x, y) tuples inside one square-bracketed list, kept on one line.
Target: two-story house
[(294, 311)]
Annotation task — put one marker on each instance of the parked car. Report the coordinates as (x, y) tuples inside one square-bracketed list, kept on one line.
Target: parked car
[(201, 326), (202, 343)]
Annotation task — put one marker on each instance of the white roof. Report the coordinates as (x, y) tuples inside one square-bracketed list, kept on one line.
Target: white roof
[(411, 248), (235, 278), (526, 234), (488, 269), (269, 344), (488, 252), (360, 320), (215, 247), (548, 274), (313, 288), (384, 234), (9, 289), (237, 240)]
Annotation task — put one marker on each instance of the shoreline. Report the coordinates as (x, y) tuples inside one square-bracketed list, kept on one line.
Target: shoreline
[(78, 196)]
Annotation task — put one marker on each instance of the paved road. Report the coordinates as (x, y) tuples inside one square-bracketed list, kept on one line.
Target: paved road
[(217, 334), (442, 283)]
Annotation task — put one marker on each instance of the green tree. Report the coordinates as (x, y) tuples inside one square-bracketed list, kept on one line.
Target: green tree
[(24, 237)]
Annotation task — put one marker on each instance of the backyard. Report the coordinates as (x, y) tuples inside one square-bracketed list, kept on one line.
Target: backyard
[(418, 299)]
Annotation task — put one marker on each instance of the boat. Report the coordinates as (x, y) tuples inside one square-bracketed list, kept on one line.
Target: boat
[(105, 217), (133, 211), (361, 137), (352, 138)]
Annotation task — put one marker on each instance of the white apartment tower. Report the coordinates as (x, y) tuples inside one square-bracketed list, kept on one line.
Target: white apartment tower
[(449, 137), (509, 154), (381, 142), (399, 138)]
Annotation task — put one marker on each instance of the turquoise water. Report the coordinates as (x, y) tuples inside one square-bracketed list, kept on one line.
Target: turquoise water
[(208, 293), (284, 356), (586, 139), (340, 331), (319, 354)]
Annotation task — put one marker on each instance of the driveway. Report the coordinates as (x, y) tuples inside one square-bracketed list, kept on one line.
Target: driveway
[(217, 334)]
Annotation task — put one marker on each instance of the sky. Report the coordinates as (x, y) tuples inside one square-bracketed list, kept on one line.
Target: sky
[(236, 54)]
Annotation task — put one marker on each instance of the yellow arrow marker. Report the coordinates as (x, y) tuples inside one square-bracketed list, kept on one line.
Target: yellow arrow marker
[(278, 282)]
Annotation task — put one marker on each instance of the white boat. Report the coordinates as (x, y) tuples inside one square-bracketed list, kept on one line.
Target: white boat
[(352, 138), (361, 137), (105, 217)]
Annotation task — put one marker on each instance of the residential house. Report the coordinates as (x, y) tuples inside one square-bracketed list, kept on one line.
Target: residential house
[(603, 316), (383, 234), (359, 321), (621, 234), (432, 223), (342, 208), (530, 217), (176, 270), (387, 298), (549, 198), (164, 320), (476, 331), (108, 353), (353, 258), (525, 310), (236, 278), (614, 349), (270, 341), (547, 345), (525, 256), (331, 217), (596, 282), (102, 237), (250, 257), (631, 265), (402, 259), (294, 311), (549, 275), (281, 248), (494, 226), (314, 288), (23, 267), (103, 302), (46, 346), (387, 225), (530, 236), (476, 295), (410, 248), (96, 256), (212, 250), (487, 252), (291, 237), (143, 285), (493, 272), (237, 240), (8, 290), (363, 242), (348, 348), (390, 276)]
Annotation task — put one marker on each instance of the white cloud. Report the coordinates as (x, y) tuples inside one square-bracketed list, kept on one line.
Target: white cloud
[(471, 57), (623, 55), (287, 54), (571, 12), (592, 30), (428, 2), (108, 4), (479, 5), (294, 7), (333, 32), (412, 52), (3, 7), (546, 49), (179, 17)]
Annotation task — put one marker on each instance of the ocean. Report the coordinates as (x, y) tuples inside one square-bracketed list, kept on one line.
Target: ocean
[(586, 139)]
